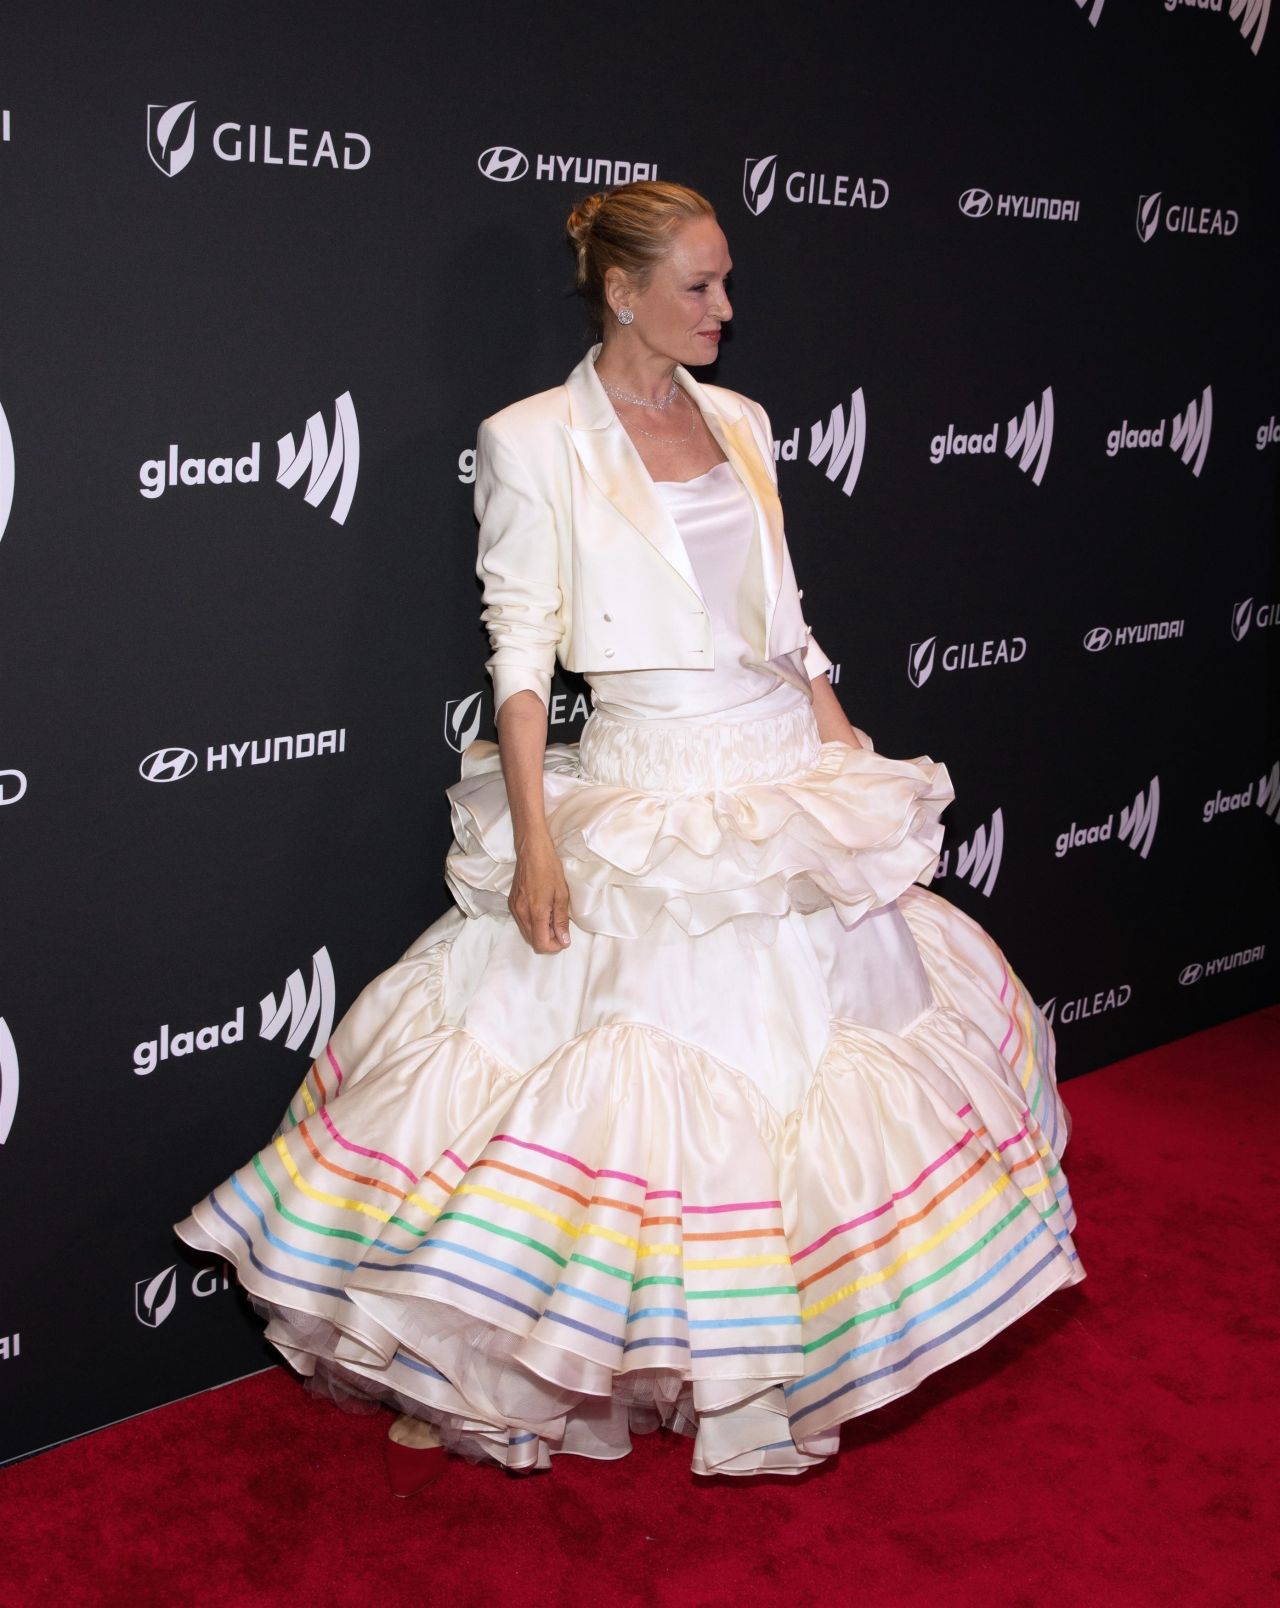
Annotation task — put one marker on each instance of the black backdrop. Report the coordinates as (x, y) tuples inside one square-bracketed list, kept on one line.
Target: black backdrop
[(1021, 224)]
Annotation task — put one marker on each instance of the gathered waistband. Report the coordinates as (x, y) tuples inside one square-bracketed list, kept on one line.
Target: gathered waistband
[(681, 756)]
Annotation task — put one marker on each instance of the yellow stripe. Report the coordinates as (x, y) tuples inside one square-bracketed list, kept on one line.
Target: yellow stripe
[(597, 1231), (879, 1277), (660, 1250), (1029, 1039), (708, 1263), (520, 1206), (375, 1212), (307, 1100)]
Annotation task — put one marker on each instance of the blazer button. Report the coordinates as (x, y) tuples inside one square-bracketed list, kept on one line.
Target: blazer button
[(608, 619), (608, 653)]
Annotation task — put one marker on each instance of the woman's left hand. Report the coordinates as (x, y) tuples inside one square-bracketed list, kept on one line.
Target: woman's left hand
[(833, 723)]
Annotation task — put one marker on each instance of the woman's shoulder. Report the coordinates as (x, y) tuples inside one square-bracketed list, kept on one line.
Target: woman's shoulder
[(530, 413)]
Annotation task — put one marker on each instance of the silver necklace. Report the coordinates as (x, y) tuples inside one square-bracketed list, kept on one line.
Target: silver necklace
[(670, 441), (641, 401)]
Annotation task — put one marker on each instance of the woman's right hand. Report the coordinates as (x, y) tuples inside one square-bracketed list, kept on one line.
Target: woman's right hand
[(539, 897)]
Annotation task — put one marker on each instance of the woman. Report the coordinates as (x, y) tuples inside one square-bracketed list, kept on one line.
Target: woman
[(697, 1112)]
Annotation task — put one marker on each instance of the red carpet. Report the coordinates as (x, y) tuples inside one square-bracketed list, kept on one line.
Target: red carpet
[(1116, 1446)]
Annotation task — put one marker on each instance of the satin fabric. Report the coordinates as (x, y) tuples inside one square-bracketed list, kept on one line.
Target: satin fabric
[(775, 1138)]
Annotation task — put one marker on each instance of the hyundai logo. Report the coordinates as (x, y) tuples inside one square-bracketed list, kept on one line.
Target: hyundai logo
[(976, 203), (1191, 974), (168, 765), (503, 164), (1098, 638)]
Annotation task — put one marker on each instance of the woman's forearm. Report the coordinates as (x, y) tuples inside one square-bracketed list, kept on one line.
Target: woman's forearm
[(833, 723), (522, 743)]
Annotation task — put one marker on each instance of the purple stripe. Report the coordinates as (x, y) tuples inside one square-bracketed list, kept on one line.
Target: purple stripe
[(884, 1373), (270, 1272), (749, 1351), (657, 1340), (584, 1328)]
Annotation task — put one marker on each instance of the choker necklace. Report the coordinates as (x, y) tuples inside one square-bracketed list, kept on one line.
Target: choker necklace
[(670, 441), (639, 401)]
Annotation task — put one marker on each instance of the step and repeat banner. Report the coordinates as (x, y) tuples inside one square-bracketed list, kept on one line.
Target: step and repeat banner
[(1005, 280)]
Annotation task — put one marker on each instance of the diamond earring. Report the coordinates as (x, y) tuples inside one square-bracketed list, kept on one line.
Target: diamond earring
[(625, 315)]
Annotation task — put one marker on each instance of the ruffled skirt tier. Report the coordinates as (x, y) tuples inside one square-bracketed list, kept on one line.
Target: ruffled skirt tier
[(776, 1137)]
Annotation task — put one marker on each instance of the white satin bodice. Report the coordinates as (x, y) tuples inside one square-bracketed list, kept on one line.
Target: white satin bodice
[(714, 517)]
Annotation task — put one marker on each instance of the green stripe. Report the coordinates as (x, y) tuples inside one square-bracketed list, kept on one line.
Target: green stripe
[(604, 1267), (660, 1278), (731, 1295), (319, 1228), (921, 1284), (505, 1233)]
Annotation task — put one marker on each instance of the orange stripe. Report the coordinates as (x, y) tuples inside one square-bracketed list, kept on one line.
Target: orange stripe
[(653, 1222), (905, 1222), (436, 1179), (356, 1178), (739, 1233), (618, 1205), (534, 1178), (315, 1073)]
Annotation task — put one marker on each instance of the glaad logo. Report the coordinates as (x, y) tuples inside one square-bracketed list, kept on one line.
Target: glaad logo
[(298, 1009), (978, 859), (462, 721), (1029, 438), (1080, 1010), (4, 126), (504, 164), (1265, 792), (174, 764), (1095, 10), (923, 657), (295, 1011), (1268, 435), (840, 442), (6, 471), (171, 136), (1180, 218), (325, 462), (759, 182), (155, 1298), (8, 1081), (171, 143), (1224, 963), (1243, 615), (1124, 636), (1252, 14), (1189, 435), (976, 203), (13, 786), (1137, 825)]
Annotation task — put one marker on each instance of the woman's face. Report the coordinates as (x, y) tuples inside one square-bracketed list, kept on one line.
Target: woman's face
[(681, 309)]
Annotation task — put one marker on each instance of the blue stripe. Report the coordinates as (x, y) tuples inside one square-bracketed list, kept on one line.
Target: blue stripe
[(407, 1361), (740, 1323), (583, 1328), (658, 1312), (884, 1373), (594, 1300), (920, 1317), (268, 1272)]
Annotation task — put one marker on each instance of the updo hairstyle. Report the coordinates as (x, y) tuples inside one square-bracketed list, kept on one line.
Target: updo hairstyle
[(630, 228)]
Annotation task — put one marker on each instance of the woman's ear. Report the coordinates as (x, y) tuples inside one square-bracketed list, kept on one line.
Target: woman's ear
[(618, 289)]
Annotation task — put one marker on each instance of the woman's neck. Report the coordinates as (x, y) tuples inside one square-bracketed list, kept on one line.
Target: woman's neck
[(643, 374)]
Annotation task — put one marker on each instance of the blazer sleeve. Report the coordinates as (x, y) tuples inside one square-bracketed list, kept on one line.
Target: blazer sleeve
[(816, 662), (518, 566)]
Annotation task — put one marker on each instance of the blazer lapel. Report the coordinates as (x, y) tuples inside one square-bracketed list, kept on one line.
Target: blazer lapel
[(611, 461)]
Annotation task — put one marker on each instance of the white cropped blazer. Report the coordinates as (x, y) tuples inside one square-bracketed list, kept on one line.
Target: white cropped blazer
[(580, 560)]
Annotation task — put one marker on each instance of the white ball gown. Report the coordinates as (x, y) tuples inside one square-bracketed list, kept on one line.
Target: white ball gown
[(774, 1139)]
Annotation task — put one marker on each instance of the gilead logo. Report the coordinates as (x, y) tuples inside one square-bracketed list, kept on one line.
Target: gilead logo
[(155, 1298), (1086, 1006)]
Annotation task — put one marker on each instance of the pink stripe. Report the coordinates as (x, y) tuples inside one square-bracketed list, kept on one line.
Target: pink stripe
[(333, 1062), (1005, 1143), (625, 1178), (1004, 989), (457, 1161), (965, 1109), (842, 1228), (740, 1206), (664, 1194), (555, 1155), (359, 1150)]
